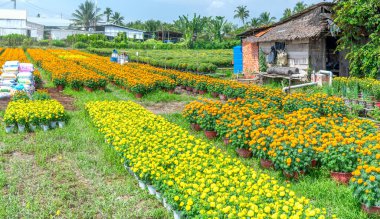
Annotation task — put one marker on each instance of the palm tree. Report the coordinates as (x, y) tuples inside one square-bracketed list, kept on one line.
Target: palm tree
[(242, 13), (117, 19), (87, 15), (287, 13), (255, 22), (300, 6), (216, 27), (266, 19), (108, 13)]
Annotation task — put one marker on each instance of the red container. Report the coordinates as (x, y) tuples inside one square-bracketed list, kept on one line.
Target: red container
[(378, 104), (195, 127), (214, 94), (244, 153), (295, 175), (266, 164), (314, 163), (340, 177), (211, 134), (60, 88), (222, 97), (226, 141), (138, 95), (371, 210), (89, 89), (201, 92)]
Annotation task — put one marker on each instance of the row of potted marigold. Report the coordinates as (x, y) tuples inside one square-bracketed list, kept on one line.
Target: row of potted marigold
[(66, 72), (191, 177), (292, 141)]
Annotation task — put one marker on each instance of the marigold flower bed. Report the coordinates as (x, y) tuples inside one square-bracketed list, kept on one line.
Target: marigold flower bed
[(194, 177)]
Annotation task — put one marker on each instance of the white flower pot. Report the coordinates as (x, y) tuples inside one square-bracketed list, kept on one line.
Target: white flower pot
[(45, 128), (151, 190), (158, 196), (136, 177), (142, 184), (61, 124), (32, 127), (53, 124), (9, 129), (177, 214), (21, 128), (164, 202)]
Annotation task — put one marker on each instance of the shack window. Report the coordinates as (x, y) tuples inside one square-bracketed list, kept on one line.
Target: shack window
[(279, 46)]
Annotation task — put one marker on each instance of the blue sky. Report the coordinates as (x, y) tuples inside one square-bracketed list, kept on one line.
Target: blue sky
[(166, 10)]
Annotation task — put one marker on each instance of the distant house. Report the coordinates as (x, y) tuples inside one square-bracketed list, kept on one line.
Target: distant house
[(111, 31), (15, 22), (307, 40), (165, 36), (56, 28)]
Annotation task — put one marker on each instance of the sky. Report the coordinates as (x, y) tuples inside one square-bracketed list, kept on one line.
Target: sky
[(164, 10)]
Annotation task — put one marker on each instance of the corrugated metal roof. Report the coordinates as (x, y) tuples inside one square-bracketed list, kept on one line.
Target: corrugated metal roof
[(50, 22), (12, 14)]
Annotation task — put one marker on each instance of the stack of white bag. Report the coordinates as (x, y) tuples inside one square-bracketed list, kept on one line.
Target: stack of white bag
[(8, 78), (25, 77)]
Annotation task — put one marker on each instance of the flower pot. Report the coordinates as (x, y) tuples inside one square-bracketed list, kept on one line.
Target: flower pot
[(21, 128), (60, 87), (195, 91), (32, 127), (360, 95), (158, 195), (226, 141), (9, 129), (314, 163), (211, 134), (151, 190), (142, 184), (171, 91), (89, 89), (45, 128), (138, 95), (244, 153), (53, 124), (164, 202), (177, 214), (183, 87), (214, 94), (61, 124), (201, 92), (76, 89), (102, 88), (222, 97), (266, 164), (189, 88), (341, 177), (371, 210), (378, 104), (195, 127), (295, 175)]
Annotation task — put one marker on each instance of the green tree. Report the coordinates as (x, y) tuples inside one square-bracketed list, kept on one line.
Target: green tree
[(300, 6), (108, 12), (87, 15), (266, 19), (255, 22), (117, 19), (153, 25), (287, 13), (191, 28), (359, 22), (217, 25), (242, 13)]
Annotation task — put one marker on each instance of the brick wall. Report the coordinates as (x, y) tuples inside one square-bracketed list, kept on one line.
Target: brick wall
[(250, 58)]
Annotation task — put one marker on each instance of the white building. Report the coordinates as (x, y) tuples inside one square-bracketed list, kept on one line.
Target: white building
[(111, 31), (15, 22)]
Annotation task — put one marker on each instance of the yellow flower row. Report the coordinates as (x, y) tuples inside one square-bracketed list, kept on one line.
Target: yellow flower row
[(195, 177)]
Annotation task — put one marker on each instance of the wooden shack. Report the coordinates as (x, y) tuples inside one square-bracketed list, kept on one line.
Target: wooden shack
[(307, 38)]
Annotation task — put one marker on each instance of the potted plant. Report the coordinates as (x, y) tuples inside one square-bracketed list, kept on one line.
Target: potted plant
[(76, 85), (341, 160), (191, 114), (207, 120), (201, 87), (60, 83), (9, 121)]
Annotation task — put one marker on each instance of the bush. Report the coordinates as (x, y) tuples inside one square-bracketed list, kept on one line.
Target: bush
[(13, 40), (80, 45), (43, 43), (58, 43)]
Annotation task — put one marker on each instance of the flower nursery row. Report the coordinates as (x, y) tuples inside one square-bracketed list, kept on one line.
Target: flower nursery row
[(31, 114), (190, 176), (66, 72), (297, 140)]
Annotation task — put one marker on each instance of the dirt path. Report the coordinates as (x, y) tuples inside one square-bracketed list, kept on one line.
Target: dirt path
[(4, 104), (166, 108), (66, 101)]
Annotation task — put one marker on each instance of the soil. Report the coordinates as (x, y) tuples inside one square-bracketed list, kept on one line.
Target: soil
[(4, 104), (166, 108), (66, 101)]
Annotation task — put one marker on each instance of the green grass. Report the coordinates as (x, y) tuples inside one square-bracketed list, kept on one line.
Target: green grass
[(316, 185)]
